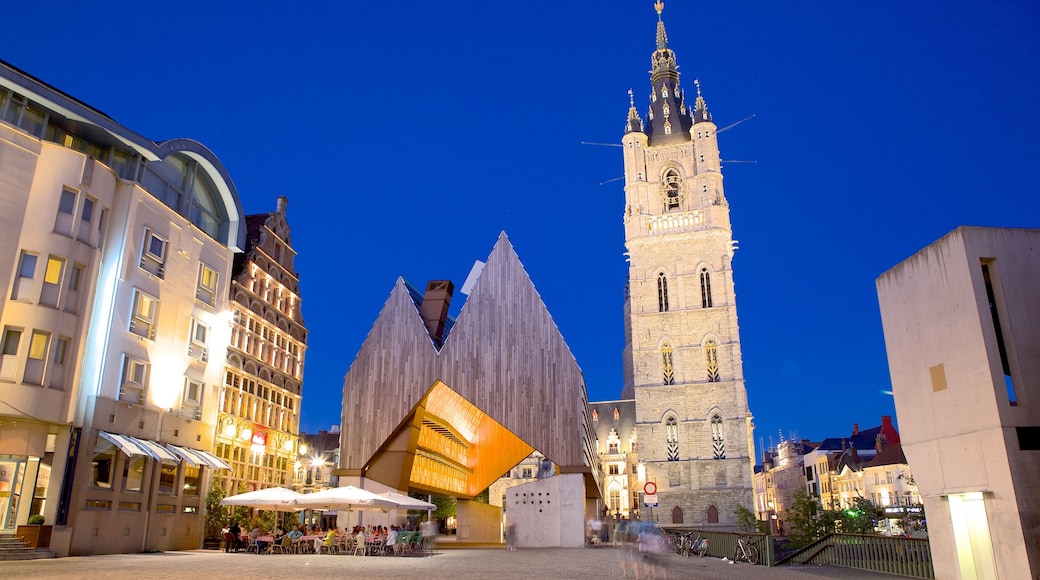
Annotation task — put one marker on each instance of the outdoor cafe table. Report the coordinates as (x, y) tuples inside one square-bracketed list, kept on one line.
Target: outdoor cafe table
[(308, 540)]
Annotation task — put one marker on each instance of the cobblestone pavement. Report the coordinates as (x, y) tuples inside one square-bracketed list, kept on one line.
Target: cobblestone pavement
[(454, 564)]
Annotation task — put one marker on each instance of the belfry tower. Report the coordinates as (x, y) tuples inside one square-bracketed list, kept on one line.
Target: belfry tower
[(682, 361)]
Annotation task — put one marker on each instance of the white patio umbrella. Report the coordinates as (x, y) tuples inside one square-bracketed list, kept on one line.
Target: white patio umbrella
[(408, 502), (344, 498), (272, 498)]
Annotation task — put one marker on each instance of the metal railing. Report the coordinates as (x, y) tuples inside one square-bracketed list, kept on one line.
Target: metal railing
[(893, 555), (724, 544)]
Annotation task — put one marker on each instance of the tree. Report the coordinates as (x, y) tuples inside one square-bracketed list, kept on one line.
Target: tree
[(860, 518), (746, 520), (216, 514), (803, 519)]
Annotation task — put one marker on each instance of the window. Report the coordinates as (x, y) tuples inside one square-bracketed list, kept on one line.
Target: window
[(23, 285), (66, 208), (56, 373), (705, 288), (206, 289), (191, 480), (712, 360), (671, 432), (994, 310), (662, 293), (51, 281), (612, 469), (718, 440), (135, 381), (595, 415), (617, 414), (168, 478), (191, 402), (72, 297), (143, 322), (615, 500), (153, 258), (61, 347), (671, 188), (133, 473), (10, 339), (101, 469), (712, 515), (38, 345), (86, 217), (197, 346), (527, 472), (666, 364), (613, 448), (38, 342)]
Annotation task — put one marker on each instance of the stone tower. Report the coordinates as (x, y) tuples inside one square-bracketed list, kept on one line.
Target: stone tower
[(682, 361)]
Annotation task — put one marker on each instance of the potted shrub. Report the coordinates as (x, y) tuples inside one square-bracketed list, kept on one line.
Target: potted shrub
[(35, 533)]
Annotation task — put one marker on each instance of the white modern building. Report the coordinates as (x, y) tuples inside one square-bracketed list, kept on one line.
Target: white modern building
[(115, 256), (962, 329)]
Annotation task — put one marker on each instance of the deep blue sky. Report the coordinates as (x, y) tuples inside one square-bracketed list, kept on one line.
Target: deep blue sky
[(407, 135)]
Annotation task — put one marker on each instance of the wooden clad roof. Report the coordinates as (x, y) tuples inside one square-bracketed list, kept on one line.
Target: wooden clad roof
[(504, 355)]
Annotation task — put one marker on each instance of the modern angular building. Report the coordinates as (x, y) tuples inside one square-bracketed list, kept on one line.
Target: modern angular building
[(682, 362), (259, 408), (962, 329), (446, 406), (115, 263)]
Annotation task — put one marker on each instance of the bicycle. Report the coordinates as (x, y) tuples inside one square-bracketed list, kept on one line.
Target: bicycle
[(746, 551), (698, 545)]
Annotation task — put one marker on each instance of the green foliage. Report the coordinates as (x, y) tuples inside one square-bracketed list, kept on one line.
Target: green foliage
[(35, 520), (484, 496), (746, 520), (216, 514), (860, 518), (445, 506), (241, 514), (802, 517), (290, 520)]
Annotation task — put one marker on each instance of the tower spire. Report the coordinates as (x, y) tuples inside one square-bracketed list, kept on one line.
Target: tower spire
[(662, 37), (669, 119), (634, 122)]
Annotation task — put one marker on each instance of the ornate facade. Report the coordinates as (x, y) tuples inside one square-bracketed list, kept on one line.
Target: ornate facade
[(682, 359), (259, 422)]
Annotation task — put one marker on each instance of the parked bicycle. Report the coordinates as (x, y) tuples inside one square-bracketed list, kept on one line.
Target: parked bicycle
[(746, 551), (699, 546)]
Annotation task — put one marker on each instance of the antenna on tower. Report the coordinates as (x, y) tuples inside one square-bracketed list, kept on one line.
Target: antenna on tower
[(611, 180), (730, 126), (601, 144)]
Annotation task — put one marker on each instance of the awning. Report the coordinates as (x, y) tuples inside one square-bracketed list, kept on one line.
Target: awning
[(134, 446), (196, 457)]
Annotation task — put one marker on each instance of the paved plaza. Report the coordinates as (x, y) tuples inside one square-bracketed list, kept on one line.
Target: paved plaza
[(455, 564)]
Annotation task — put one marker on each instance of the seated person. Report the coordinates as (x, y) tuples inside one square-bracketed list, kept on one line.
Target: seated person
[(256, 533), (391, 540), (236, 536), (295, 533)]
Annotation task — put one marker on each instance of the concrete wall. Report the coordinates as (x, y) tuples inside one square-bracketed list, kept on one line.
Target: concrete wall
[(958, 423), (478, 522), (548, 513)]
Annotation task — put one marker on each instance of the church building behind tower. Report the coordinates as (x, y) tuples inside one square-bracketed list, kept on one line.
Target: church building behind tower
[(682, 363)]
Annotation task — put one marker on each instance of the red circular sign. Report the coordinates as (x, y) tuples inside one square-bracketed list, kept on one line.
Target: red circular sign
[(650, 488)]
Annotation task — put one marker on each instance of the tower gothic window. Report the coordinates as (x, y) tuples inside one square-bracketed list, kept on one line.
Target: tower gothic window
[(712, 359), (662, 293), (671, 187), (666, 364), (718, 441), (671, 432), (705, 288)]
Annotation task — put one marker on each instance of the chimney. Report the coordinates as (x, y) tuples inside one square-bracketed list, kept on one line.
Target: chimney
[(434, 308), (855, 429), (877, 442), (855, 456), (281, 203)]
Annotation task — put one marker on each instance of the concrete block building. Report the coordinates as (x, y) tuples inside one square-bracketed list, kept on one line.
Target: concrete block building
[(962, 328)]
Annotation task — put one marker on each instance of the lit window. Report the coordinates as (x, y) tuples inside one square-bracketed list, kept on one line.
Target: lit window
[(617, 414), (168, 478), (135, 381), (38, 345), (671, 432), (671, 185), (712, 360), (133, 473), (143, 322), (51, 279), (718, 440), (206, 289), (666, 364)]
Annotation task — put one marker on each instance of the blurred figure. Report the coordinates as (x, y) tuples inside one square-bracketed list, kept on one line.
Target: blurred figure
[(428, 530), (652, 545), (626, 538), (511, 536)]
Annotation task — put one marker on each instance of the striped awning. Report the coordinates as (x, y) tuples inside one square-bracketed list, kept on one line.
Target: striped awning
[(197, 458), (134, 446)]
